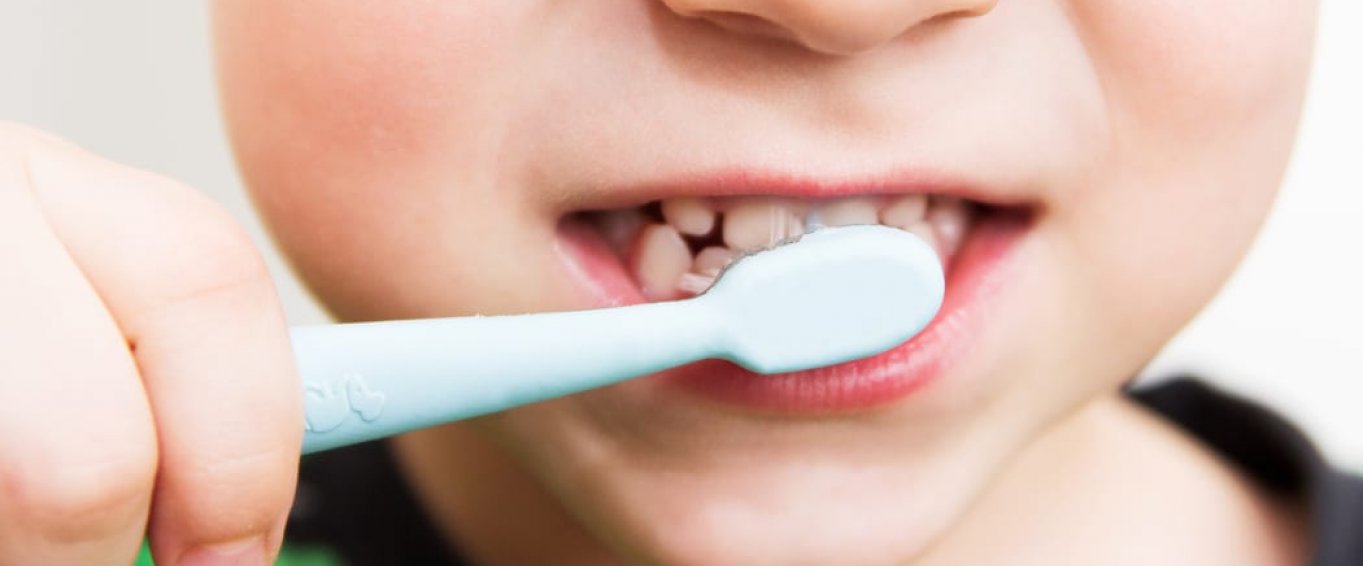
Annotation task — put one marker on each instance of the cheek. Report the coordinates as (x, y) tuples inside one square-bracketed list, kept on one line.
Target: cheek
[(364, 87), (367, 126), (1203, 100), (1165, 63)]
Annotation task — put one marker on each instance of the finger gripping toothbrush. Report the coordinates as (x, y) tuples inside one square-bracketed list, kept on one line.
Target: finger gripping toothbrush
[(834, 295)]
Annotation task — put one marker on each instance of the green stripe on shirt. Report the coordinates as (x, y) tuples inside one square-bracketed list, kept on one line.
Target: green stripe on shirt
[(291, 555)]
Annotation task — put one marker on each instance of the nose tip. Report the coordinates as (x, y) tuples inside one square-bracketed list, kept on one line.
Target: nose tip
[(835, 27)]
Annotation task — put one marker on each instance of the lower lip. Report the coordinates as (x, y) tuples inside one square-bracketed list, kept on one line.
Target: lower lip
[(869, 383)]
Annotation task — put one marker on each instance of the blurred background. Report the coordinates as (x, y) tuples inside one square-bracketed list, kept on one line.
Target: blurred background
[(133, 81)]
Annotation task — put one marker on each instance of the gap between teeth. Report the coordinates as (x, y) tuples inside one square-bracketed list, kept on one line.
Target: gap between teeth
[(677, 247)]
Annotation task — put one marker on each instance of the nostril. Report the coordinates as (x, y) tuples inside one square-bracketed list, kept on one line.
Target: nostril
[(973, 10), (832, 40), (833, 27), (746, 24)]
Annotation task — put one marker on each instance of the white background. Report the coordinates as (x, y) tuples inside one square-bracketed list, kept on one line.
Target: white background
[(132, 80)]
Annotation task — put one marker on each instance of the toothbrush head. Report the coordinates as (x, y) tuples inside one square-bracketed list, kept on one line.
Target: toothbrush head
[(834, 295)]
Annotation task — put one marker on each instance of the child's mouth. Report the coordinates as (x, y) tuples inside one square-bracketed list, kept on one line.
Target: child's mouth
[(675, 247)]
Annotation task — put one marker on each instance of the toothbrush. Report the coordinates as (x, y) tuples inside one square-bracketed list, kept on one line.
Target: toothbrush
[(834, 295)]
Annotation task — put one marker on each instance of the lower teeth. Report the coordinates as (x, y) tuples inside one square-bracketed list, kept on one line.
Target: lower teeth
[(661, 258)]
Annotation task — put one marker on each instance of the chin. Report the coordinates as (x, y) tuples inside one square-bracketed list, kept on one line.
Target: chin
[(791, 511)]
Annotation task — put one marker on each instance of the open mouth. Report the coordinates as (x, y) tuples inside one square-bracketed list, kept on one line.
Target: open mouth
[(675, 247)]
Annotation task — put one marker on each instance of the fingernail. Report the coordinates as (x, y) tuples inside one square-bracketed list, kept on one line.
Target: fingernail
[(244, 552)]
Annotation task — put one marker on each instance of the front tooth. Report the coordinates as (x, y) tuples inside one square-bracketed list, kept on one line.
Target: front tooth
[(661, 257), (710, 261), (924, 230), (695, 283), (795, 225), (949, 217), (848, 212), (758, 224), (904, 211), (691, 216)]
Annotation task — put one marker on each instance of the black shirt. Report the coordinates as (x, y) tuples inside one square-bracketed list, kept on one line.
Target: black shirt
[(1276, 455), (353, 501)]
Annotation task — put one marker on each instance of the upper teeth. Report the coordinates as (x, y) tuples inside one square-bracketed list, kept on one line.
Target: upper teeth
[(690, 215), (849, 212), (666, 267), (760, 223)]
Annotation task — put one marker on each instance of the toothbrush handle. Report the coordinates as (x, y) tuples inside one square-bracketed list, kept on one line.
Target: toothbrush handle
[(365, 381)]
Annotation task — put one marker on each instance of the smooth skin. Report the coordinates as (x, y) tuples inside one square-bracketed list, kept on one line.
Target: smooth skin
[(414, 157), (145, 366)]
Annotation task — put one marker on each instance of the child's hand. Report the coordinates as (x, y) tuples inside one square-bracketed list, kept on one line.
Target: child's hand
[(145, 372)]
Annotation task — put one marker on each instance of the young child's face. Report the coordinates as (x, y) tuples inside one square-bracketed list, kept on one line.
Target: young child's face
[(432, 158)]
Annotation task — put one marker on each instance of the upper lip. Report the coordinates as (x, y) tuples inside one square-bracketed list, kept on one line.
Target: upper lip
[(769, 182)]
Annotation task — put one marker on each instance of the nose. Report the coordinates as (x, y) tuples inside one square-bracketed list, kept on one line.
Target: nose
[(836, 27)]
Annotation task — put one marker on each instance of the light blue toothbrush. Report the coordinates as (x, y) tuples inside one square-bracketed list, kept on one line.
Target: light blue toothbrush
[(836, 295)]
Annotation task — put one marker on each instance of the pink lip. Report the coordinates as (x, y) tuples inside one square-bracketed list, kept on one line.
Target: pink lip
[(746, 182), (972, 287)]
